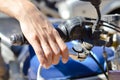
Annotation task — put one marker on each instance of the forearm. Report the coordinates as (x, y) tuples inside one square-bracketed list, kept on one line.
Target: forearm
[(16, 8)]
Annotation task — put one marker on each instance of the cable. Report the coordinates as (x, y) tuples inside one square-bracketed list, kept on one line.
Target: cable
[(99, 65), (105, 57), (111, 28), (39, 77), (110, 25), (96, 25)]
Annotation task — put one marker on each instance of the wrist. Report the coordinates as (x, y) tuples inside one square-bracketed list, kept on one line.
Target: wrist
[(25, 9)]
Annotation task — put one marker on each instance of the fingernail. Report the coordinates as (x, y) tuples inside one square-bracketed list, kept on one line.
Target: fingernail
[(64, 60), (46, 67)]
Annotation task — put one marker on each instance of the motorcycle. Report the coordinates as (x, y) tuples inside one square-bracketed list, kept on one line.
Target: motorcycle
[(88, 32), (85, 44)]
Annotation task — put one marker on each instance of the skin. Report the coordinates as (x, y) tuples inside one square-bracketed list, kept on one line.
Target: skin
[(44, 39)]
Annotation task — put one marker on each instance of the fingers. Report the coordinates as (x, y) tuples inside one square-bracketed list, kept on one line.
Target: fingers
[(42, 50), (62, 46), (47, 52), (47, 44), (54, 47), (38, 49)]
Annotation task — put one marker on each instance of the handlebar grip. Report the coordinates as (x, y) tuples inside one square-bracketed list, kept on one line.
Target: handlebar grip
[(71, 29)]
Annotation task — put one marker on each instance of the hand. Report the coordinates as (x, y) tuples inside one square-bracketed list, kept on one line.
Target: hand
[(44, 39), (38, 31)]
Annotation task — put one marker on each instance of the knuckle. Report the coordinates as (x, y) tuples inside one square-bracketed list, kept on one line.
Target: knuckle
[(42, 61), (55, 32), (33, 36), (56, 59), (64, 48), (48, 54), (42, 35), (38, 52), (50, 32), (57, 53)]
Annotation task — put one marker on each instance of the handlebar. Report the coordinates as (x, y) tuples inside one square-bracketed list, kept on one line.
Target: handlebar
[(78, 28), (71, 29)]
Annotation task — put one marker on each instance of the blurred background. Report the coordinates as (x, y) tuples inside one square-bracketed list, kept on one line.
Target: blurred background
[(69, 8)]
